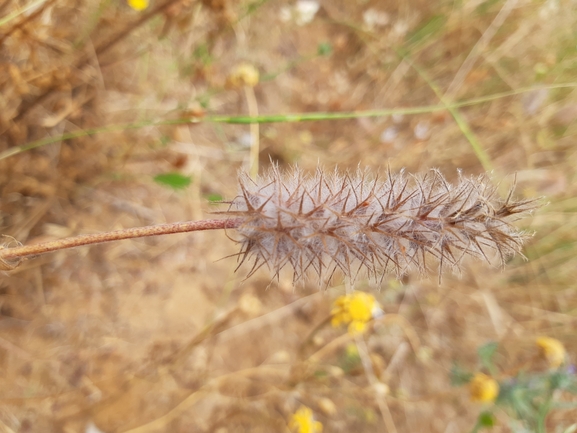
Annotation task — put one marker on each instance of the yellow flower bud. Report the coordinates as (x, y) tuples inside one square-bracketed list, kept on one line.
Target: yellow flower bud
[(138, 5), (244, 74), (303, 421), (483, 388), (552, 350)]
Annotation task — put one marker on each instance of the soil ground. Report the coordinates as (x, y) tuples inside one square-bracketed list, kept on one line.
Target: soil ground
[(160, 334)]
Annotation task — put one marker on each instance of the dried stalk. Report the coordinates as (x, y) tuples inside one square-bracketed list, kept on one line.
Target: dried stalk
[(10, 258), (99, 50)]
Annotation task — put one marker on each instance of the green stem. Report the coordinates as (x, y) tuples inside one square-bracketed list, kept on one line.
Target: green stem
[(298, 117), (482, 156), (542, 415)]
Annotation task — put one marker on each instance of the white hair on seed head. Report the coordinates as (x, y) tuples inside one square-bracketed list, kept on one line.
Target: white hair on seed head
[(327, 221)]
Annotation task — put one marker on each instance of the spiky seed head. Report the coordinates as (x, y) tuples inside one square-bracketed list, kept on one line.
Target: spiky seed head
[(353, 222)]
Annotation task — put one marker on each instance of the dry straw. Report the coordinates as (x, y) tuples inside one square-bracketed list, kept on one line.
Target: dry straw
[(353, 223)]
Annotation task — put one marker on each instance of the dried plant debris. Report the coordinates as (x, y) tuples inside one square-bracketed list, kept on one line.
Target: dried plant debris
[(358, 223)]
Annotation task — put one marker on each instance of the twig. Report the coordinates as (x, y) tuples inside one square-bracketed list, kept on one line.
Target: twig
[(481, 44), (10, 257), (29, 18), (99, 50)]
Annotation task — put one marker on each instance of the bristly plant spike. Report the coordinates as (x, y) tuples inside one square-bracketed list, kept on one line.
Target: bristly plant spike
[(352, 222), (356, 223)]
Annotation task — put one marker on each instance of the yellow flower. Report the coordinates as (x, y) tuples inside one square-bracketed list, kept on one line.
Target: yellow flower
[(552, 350), (483, 388), (138, 5), (356, 310), (303, 421)]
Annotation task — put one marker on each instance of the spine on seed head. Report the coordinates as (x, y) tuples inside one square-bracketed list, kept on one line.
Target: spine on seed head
[(359, 224)]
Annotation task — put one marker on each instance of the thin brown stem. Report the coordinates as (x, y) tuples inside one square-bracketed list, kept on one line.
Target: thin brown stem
[(106, 45), (26, 20), (10, 257), (99, 50)]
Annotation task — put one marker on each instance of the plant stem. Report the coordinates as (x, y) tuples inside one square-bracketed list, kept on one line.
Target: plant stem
[(482, 156), (542, 414), (279, 118), (81, 62), (10, 257)]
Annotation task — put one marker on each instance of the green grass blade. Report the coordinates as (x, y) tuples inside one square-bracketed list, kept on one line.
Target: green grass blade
[(482, 156), (300, 117), (15, 14)]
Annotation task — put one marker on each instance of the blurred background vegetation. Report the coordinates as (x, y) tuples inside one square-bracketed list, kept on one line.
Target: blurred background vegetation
[(116, 114)]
